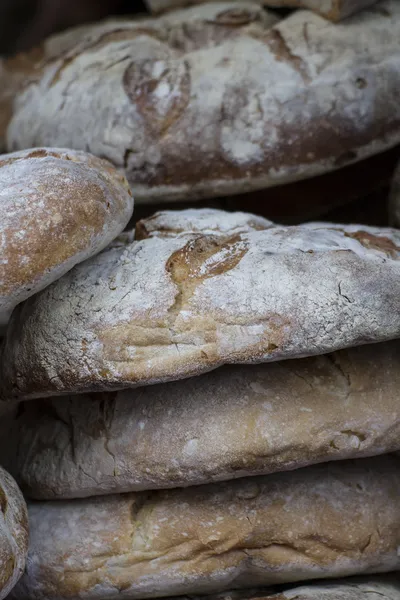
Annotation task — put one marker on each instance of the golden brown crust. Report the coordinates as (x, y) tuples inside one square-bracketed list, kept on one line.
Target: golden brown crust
[(333, 520), (57, 208)]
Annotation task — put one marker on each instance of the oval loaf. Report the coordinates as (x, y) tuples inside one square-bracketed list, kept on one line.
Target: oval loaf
[(165, 308), (226, 424), (213, 100), (57, 208), (324, 521)]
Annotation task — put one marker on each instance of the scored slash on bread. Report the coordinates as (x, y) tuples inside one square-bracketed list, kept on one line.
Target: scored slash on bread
[(214, 100), (165, 308)]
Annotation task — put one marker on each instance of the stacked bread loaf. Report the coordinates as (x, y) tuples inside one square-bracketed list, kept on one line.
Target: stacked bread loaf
[(204, 403), (279, 470)]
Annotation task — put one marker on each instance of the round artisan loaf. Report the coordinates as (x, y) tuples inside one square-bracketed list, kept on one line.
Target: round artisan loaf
[(353, 588), (213, 100), (13, 533), (234, 422), (324, 521), (335, 10), (165, 308), (57, 208)]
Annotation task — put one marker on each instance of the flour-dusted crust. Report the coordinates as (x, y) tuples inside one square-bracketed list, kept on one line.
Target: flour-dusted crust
[(57, 208), (233, 422), (216, 99), (13, 533), (373, 587), (335, 10), (166, 308), (324, 521), (171, 223)]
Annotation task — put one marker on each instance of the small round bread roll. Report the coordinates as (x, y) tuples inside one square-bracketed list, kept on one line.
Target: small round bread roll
[(13, 533), (57, 208)]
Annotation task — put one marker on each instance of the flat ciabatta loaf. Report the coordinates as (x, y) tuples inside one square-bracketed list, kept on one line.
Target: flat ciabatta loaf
[(352, 588), (325, 521), (335, 10), (213, 100), (57, 208), (233, 422), (166, 308), (13, 533)]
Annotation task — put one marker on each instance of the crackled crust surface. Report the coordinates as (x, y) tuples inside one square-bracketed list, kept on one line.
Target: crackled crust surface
[(353, 588), (324, 521), (57, 208), (13, 533), (166, 308), (226, 424), (189, 105)]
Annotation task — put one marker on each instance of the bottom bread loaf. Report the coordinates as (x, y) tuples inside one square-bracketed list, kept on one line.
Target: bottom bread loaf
[(368, 588), (329, 520)]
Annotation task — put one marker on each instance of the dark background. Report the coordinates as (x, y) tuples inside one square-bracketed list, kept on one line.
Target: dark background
[(24, 23)]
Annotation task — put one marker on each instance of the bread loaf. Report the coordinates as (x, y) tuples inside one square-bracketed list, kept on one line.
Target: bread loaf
[(213, 100), (233, 422), (57, 208), (324, 521), (171, 223), (335, 10), (354, 588), (13, 533), (166, 308)]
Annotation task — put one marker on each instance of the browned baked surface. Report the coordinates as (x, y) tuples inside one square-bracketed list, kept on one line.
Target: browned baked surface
[(215, 100)]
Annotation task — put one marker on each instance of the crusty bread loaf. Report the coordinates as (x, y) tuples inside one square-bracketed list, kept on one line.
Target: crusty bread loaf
[(214, 100), (13, 533), (352, 588), (166, 308), (171, 223), (335, 10), (325, 521), (233, 422), (57, 208)]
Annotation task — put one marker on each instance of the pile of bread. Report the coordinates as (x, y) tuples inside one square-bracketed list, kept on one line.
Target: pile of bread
[(200, 402)]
